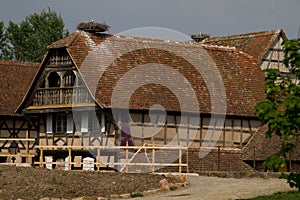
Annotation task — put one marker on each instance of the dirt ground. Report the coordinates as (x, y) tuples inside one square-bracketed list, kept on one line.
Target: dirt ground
[(35, 183)]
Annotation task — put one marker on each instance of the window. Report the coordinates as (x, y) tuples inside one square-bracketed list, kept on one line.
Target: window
[(94, 122), (60, 123), (49, 124), (90, 122), (69, 78), (70, 123), (54, 80), (85, 122)]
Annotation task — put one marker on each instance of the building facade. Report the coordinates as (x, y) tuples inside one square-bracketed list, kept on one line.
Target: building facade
[(97, 89)]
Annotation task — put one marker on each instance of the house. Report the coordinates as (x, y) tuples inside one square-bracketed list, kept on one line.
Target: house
[(98, 89), (264, 46), (16, 131)]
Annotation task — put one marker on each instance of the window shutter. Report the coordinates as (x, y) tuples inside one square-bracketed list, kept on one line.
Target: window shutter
[(94, 125), (102, 123), (49, 124), (70, 124), (85, 122)]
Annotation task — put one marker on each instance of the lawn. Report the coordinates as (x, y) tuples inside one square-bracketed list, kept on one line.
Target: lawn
[(292, 195)]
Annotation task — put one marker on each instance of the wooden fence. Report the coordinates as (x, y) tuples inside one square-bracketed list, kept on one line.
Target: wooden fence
[(128, 161), (25, 154)]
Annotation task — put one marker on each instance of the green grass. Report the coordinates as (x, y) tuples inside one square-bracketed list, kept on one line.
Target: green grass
[(133, 195), (291, 195)]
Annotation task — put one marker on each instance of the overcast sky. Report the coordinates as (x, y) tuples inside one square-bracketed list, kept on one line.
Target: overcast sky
[(215, 17)]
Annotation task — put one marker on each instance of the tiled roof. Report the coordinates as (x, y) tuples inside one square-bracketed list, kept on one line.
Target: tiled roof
[(260, 147), (65, 42), (256, 44), (15, 80), (243, 80), (102, 66)]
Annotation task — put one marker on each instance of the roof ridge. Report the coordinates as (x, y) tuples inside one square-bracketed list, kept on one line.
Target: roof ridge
[(228, 49), (19, 63), (244, 35), (66, 42), (72, 39), (219, 47), (153, 40), (89, 41), (144, 38)]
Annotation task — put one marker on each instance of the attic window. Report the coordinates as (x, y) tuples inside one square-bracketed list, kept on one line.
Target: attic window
[(54, 80), (69, 78), (93, 27)]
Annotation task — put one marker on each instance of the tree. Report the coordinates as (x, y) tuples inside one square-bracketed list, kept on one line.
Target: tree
[(281, 107), (28, 40), (4, 48)]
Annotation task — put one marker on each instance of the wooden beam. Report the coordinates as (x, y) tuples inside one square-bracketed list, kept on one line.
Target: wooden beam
[(108, 147), (143, 123), (115, 163), (98, 159), (201, 131), (272, 61), (166, 131), (69, 158), (269, 60), (153, 157), (126, 156), (187, 160), (27, 147), (176, 128), (241, 133), (108, 131), (188, 131), (17, 139), (232, 132), (1, 124), (15, 155), (180, 161), (41, 157), (250, 128), (224, 137), (276, 49)]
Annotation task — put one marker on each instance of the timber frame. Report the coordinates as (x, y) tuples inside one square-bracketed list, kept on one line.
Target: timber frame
[(265, 46), (62, 120), (22, 132)]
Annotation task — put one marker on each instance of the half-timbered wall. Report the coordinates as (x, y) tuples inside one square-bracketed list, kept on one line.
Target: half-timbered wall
[(83, 128), (235, 132), (20, 129), (59, 88), (89, 128), (274, 57)]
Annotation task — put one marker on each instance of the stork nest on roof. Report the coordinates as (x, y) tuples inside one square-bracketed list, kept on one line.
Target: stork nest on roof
[(92, 27), (200, 35)]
